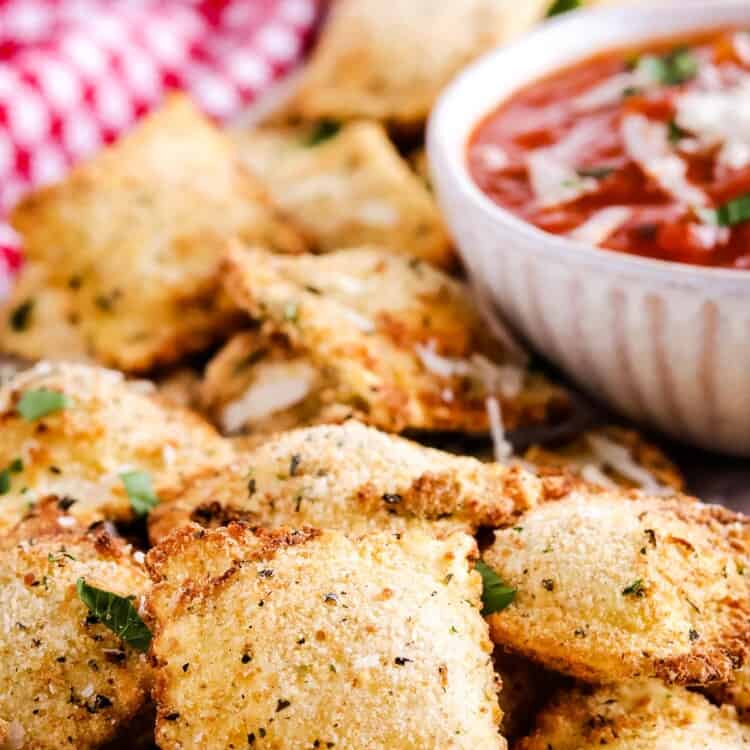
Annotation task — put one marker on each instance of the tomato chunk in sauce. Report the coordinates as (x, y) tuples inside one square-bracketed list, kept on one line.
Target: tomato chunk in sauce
[(643, 151)]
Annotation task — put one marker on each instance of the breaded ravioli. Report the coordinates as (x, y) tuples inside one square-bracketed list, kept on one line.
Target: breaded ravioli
[(130, 243), (39, 320), (348, 189), (611, 587), (103, 446), (389, 60), (308, 639), (639, 715), (609, 457), (66, 680), (352, 478), (372, 335)]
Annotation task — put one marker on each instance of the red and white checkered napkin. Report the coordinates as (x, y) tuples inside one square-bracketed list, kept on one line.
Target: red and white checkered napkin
[(74, 74)]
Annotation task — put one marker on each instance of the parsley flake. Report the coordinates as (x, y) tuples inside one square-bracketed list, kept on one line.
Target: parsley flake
[(496, 595), (635, 589), (323, 131), (117, 613), (4, 482), (598, 173), (672, 69), (34, 405), (729, 214), (563, 6), (140, 491)]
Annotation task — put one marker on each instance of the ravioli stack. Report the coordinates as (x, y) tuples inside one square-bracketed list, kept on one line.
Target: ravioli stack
[(264, 549)]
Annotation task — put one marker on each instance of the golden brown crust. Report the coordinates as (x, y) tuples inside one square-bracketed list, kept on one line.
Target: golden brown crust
[(612, 586), (353, 478), (640, 715), (292, 639), (110, 426), (588, 451), (397, 344), (65, 681), (129, 243), (350, 190), (389, 61)]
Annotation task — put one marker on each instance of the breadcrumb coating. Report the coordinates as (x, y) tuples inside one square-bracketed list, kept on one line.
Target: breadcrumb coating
[(312, 639), (352, 478), (611, 586), (639, 715), (65, 679), (79, 453)]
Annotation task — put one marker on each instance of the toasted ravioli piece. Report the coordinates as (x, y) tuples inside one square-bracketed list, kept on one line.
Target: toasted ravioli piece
[(349, 190), (39, 320), (639, 715), (132, 240), (101, 428), (312, 639), (65, 679), (389, 61), (610, 457), (611, 587), (353, 478), (397, 343)]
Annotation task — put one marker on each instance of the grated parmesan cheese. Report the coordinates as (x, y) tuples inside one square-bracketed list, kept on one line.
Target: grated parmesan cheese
[(647, 144), (617, 457), (503, 450), (600, 226), (493, 157), (720, 118)]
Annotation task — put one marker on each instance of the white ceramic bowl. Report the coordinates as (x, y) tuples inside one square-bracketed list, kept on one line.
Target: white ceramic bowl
[(665, 343)]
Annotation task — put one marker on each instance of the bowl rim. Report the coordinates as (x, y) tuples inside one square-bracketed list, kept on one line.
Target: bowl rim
[(557, 248)]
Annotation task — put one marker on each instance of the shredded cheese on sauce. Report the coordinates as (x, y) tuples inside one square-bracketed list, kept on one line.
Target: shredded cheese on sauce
[(647, 144), (720, 118), (600, 226)]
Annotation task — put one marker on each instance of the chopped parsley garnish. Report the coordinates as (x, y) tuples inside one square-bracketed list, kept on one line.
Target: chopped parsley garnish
[(34, 405), (563, 6), (140, 491), (672, 69), (116, 612), (635, 589), (323, 131), (598, 173), (14, 467), (21, 316), (730, 213), (496, 595)]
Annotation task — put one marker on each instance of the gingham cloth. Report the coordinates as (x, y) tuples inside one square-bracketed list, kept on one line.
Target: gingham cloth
[(74, 74)]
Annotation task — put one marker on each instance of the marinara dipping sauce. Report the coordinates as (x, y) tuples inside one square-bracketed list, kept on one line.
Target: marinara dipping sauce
[(642, 151)]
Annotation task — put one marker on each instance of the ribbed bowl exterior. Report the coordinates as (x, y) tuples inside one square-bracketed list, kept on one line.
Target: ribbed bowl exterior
[(664, 343)]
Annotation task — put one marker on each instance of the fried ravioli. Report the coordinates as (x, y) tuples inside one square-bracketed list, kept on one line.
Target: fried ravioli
[(130, 242), (65, 679), (352, 478), (611, 587), (349, 190), (389, 61), (640, 715), (375, 336), (735, 692), (91, 429), (312, 639)]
